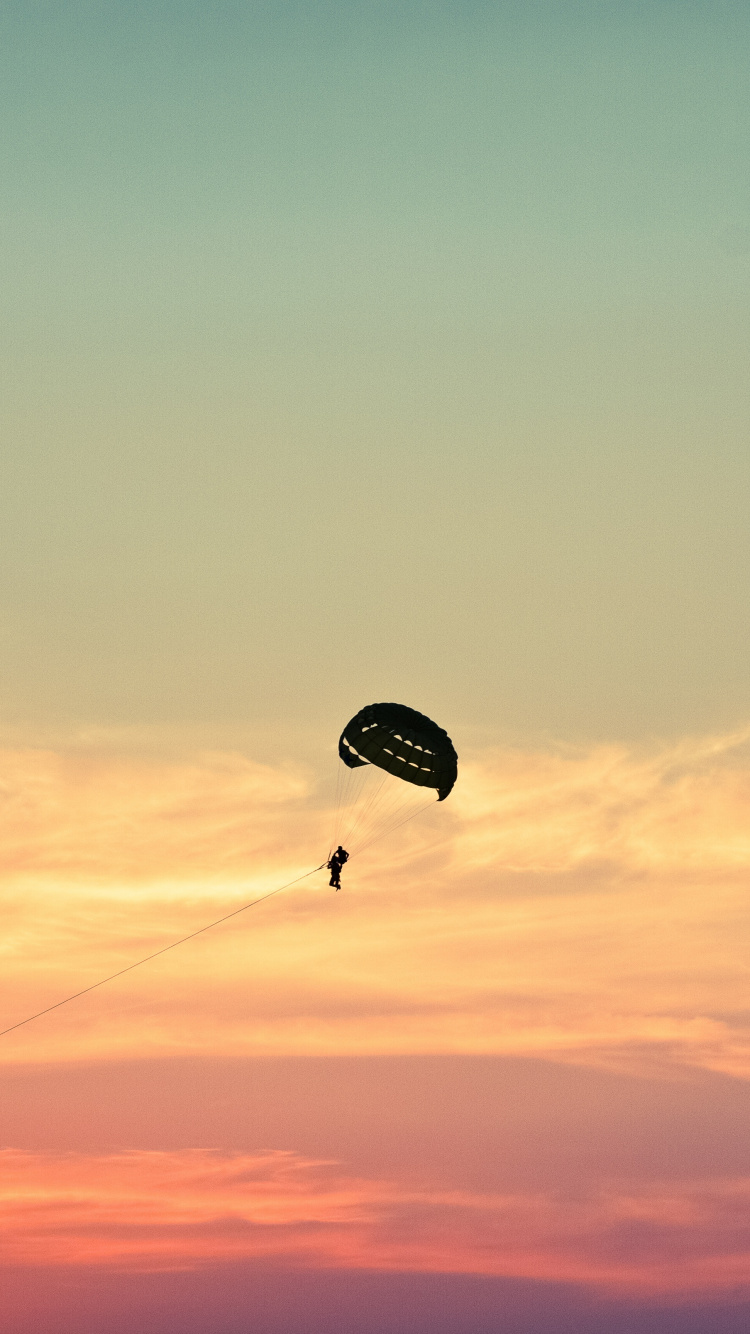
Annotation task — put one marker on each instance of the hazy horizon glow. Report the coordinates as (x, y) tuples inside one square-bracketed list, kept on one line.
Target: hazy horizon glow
[(139, 1211)]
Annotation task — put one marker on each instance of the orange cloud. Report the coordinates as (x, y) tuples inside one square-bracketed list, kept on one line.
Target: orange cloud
[(92, 815), (591, 905), (180, 1210), (684, 808)]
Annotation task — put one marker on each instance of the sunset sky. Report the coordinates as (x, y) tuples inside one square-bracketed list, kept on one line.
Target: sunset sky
[(356, 352)]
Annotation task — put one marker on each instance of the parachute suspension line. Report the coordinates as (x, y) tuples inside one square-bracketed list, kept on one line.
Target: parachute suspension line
[(381, 804), (362, 810), (165, 950), (378, 806), (392, 802), (367, 798), (358, 793), (391, 828), (344, 787), (408, 747), (340, 788), (361, 790), (376, 814)]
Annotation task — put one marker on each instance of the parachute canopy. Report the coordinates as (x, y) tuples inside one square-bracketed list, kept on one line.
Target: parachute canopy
[(404, 743)]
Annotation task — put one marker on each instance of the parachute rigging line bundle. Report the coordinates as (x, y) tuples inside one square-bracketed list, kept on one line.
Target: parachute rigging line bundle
[(403, 745)]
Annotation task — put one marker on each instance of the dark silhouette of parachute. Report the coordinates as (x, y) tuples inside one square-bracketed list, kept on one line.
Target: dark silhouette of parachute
[(404, 743)]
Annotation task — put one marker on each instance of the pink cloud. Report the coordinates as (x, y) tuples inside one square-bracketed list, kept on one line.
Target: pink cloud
[(143, 1211)]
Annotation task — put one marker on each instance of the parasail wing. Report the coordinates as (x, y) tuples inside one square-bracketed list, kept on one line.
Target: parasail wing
[(405, 743)]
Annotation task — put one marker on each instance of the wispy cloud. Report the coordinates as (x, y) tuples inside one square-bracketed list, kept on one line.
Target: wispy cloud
[(683, 807), (123, 819)]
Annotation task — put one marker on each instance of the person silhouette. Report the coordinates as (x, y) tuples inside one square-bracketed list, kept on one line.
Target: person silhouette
[(335, 864)]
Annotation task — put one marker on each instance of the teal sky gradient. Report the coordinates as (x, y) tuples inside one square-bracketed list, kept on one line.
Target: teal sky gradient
[(376, 351)]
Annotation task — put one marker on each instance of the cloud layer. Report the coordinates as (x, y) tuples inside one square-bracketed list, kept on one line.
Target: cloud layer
[(589, 908), (175, 1210), (591, 904)]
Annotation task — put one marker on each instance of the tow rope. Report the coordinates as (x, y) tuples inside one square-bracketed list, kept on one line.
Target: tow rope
[(164, 950)]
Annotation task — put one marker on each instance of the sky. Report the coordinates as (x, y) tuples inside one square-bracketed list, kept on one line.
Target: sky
[(355, 352)]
